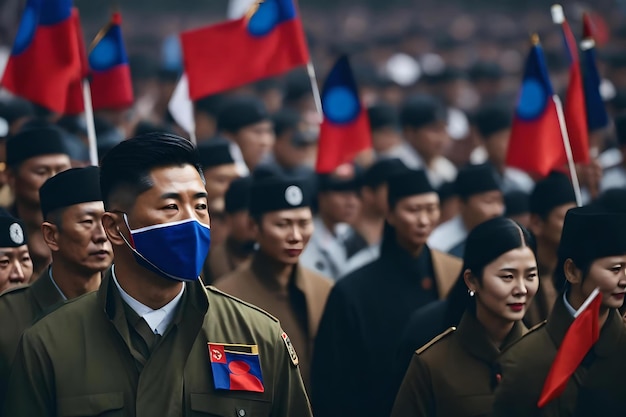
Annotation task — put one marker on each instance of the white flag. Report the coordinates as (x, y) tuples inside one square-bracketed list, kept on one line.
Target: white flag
[(239, 8), (181, 106)]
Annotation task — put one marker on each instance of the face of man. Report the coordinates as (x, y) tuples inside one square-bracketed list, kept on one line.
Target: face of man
[(496, 147), (81, 240), (255, 142), (414, 218), (239, 227), (218, 179), (290, 155), (481, 207), (548, 230), (177, 194), (429, 141), (16, 267), (283, 235), (385, 139), (338, 206), (33, 172)]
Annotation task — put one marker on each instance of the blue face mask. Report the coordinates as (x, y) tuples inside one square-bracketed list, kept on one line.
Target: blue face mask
[(175, 250)]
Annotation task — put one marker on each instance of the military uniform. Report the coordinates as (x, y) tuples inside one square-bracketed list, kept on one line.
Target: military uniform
[(19, 309), (454, 374), (94, 364), (362, 325), (299, 306), (525, 365)]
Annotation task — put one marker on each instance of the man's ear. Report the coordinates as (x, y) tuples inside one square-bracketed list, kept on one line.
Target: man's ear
[(110, 223), (536, 225), (572, 273), (50, 234)]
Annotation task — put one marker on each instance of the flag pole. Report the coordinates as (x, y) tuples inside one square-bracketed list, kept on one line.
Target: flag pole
[(568, 149), (91, 126), (315, 88), (588, 301)]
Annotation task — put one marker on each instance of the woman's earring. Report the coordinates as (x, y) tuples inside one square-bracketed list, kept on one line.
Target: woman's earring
[(471, 293)]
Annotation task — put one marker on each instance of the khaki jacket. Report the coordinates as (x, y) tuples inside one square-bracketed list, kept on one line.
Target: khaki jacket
[(307, 293), (91, 365), (453, 375), (19, 309)]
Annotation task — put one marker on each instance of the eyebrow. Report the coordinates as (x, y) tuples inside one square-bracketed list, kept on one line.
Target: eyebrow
[(177, 196), (532, 268)]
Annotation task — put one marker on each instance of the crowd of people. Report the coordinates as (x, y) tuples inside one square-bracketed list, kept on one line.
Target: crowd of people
[(227, 277)]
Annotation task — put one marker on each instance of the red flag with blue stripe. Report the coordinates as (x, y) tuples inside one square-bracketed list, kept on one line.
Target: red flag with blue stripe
[(45, 58), (597, 116), (345, 131), (236, 367), (574, 108), (238, 52), (111, 85), (536, 144)]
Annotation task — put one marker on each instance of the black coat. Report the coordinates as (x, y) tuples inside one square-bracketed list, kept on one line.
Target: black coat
[(360, 329)]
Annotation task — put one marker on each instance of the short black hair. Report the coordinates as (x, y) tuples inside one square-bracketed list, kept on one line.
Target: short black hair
[(127, 166)]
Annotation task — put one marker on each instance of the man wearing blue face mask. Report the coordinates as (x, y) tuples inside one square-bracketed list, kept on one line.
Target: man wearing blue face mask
[(153, 340)]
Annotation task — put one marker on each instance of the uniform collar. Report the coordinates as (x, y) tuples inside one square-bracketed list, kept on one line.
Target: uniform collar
[(561, 319), (473, 337), (159, 319), (55, 284), (44, 292)]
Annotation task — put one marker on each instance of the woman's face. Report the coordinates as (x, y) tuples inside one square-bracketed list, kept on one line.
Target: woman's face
[(509, 284), (609, 275)]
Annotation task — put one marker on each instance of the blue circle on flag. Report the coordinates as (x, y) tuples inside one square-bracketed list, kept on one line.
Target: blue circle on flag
[(105, 55), (265, 19), (26, 31), (532, 100), (341, 105)]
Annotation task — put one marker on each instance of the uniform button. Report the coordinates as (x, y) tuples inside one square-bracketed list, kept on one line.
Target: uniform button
[(241, 412), (427, 283)]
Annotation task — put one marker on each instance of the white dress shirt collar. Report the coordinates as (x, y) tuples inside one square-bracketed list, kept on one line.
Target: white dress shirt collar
[(158, 320)]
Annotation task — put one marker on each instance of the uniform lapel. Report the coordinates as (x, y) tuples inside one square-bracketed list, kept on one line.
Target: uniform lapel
[(447, 270)]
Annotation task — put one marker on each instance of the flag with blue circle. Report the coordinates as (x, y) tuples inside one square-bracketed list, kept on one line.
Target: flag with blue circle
[(345, 130)]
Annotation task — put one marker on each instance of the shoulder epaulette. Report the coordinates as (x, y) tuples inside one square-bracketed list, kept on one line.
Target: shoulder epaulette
[(531, 330), (13, 290), (240, 301), (435, 340)]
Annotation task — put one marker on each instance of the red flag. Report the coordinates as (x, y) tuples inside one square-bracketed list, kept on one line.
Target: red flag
[(111, 85), (582, 334), (45, 59), (75, 104), (536, 144), (574, 109), (238, 52), (345, 130)]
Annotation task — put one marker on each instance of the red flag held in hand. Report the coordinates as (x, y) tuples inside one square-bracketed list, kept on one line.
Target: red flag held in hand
[(582, 334)]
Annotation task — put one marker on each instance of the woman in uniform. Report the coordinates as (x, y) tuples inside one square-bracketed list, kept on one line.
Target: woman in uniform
[(454, 374)]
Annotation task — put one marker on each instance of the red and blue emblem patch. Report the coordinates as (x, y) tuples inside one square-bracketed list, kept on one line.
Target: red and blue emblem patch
[(236, 367)]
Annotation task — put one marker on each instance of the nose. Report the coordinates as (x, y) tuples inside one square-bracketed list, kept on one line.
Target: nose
[(99, 235), (17, 273), (423, 219), (296, 234), (520, 288)]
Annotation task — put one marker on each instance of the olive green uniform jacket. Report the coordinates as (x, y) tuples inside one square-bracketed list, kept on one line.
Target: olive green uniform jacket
[(525, 366), (454, 374), (82, 360), (19, 308), (299, 307)]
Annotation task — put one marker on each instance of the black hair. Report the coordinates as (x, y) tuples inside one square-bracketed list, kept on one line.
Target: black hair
[(127, 166)]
